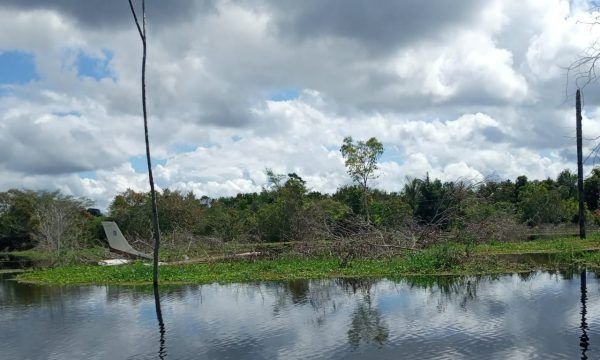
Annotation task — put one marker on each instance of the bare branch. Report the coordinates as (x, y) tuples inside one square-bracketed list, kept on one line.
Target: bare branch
[(137, 23)]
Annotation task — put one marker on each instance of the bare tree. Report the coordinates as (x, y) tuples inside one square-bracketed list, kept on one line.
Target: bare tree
[(584, 71), (155, 227), (60, 221)]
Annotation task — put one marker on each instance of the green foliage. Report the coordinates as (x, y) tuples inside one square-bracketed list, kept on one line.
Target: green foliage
[(432, 201), (591, 187), (282, 219), (351, 196), (538, 204), (334, 211), (286, 210), (177, 211), (47, 219), (389, 210), (17, 220), (566, 183), (543, 203), (229, 224), (131, 210), (361, 163), (499, 192), (361, 158), (439, 259)]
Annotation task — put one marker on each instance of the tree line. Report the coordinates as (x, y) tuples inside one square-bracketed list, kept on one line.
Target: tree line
[(287, 210)]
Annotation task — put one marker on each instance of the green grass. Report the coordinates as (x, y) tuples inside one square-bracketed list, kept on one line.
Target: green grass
[(65, 257), (560, 244), (436, 260)]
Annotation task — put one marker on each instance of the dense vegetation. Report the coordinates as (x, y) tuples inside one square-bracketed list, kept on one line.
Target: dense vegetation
[(423, 211), (437, 259)]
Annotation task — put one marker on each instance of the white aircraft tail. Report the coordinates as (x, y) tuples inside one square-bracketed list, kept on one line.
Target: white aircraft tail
[(117, 241)]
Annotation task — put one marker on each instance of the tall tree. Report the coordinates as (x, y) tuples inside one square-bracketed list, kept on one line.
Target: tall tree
[(361, 163), (580, 190), (156, 230)]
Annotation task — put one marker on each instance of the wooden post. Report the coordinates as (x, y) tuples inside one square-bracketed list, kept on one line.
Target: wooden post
[(580, 166)]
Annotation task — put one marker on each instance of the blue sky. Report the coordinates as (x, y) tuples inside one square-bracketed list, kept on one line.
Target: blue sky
[(285, 94), (17, 67), (95, 67), (140, 164)]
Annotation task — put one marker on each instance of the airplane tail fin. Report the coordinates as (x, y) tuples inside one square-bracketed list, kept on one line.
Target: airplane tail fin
[(117, 241)]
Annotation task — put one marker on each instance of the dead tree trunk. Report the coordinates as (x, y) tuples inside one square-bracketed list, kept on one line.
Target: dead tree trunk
[(155, 227), (580, 166)]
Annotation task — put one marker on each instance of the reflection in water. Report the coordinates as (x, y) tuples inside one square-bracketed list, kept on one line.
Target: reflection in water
[(323, 298), (299, 290), (162, 352), (583, 339), (501, 317), (448, 289), (367, 325), (357, 285)]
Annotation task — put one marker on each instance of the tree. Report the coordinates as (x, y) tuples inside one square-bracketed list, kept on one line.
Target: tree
[(566, 182), (131, 210), (282, 219), (156, 229), (351, 196), (17, 219), (540, 203), (179, 216), (432, 202), (361, 163), (591, 190), (411, 192), (580, 191), (61, 221)]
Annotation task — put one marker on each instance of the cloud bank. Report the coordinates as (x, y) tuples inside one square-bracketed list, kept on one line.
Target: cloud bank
[(462, 91)]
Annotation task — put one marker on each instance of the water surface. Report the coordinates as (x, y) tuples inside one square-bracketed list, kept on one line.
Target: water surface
[(539, 315)]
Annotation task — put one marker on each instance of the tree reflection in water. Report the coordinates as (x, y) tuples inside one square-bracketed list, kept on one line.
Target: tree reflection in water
[(583, 339), (367, 325), (162, 352), (448, 289), (323, 298)]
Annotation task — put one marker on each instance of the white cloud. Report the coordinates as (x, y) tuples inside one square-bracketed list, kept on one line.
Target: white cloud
[(482, 94)]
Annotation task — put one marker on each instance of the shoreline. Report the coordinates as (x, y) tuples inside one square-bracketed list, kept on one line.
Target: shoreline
[(439, 260)]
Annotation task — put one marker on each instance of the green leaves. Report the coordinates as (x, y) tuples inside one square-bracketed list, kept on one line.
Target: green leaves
[(361, 163), (361, 158)]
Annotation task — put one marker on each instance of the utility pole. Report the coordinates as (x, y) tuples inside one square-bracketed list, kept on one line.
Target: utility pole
[(580, 166)]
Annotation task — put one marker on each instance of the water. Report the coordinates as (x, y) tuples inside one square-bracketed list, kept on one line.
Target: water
[(540, 315)]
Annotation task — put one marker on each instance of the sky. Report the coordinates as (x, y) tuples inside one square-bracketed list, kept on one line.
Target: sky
[(467, 90)]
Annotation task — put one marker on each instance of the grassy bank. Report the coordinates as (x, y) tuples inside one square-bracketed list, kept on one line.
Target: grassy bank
[(437, 260), (64, 257)]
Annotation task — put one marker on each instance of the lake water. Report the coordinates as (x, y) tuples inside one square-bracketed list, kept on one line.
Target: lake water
[(539, 315)]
